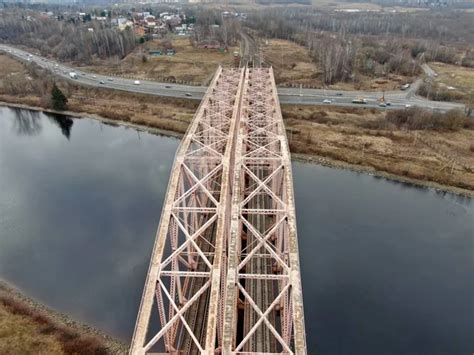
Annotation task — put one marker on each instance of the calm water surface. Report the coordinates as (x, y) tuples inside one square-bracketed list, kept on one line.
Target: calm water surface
[(387, 268)]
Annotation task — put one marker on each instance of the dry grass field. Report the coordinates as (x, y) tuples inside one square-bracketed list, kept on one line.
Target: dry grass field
[(293, 65), (28, 328), (340, 134), (189, 64), (9, 66), (455, 78)]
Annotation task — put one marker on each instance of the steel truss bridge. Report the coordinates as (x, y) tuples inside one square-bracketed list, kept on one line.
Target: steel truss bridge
[(224, 275)]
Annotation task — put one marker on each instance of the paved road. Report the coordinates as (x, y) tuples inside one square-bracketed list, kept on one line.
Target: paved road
[(398, 99)]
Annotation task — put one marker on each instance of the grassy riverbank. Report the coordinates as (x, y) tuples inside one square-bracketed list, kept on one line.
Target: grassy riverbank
[(26, 325)]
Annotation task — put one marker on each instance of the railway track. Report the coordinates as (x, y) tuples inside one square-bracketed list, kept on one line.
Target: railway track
[(261, 291)]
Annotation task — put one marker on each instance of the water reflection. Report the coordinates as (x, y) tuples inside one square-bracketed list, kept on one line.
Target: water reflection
[(64, 122), (26, 123)]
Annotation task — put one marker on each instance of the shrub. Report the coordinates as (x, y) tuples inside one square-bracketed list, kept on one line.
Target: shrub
[(58, 100), (417, 118)]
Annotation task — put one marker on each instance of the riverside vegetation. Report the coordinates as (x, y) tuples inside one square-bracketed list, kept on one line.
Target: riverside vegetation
[(28, 325)]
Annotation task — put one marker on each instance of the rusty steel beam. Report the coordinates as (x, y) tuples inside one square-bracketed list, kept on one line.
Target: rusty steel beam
[(187, 261), (263, 289)]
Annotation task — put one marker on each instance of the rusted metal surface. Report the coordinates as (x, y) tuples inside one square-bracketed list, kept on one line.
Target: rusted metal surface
[(264, 297), (185, 269), (225, 266)]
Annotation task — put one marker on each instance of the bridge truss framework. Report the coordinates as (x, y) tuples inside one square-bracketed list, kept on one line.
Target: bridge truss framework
[(224, 274)]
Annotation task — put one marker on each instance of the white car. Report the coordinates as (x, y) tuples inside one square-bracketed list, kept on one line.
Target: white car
[(327, 101), (94, 76), (407, 106), (136, 82)]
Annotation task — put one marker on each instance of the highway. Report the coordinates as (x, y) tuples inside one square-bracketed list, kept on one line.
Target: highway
[(397, 99)]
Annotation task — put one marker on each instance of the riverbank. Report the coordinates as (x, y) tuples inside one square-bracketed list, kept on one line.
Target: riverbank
[(339, 164), (359, 137), (327, 160), (105, 120), (26, 324)]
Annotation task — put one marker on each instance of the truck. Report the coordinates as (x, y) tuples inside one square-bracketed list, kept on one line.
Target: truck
[(73, 75), (359, 100)]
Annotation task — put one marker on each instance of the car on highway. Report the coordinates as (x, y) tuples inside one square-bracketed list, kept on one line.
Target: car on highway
[(338, 93), (101, 82), (168, 87), (327, 101), (188, 94), (407, 106), (94, 76), (110, 79), (382, 104), (136, 82)]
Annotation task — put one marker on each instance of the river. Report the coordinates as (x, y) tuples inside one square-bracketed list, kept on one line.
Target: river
[(387, 268)]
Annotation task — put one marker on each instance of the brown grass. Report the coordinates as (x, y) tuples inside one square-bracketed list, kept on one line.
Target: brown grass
[(342, 135), (293, 65), (189, 64), (460, 79), (162, 113), (291, 62), (26, 331), (9, 66)]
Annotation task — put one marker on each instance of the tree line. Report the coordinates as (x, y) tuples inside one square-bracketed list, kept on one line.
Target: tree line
[(63, 39), (346, 45)]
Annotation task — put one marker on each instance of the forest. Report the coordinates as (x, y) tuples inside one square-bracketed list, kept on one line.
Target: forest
[(65, 40), (370, 43)]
